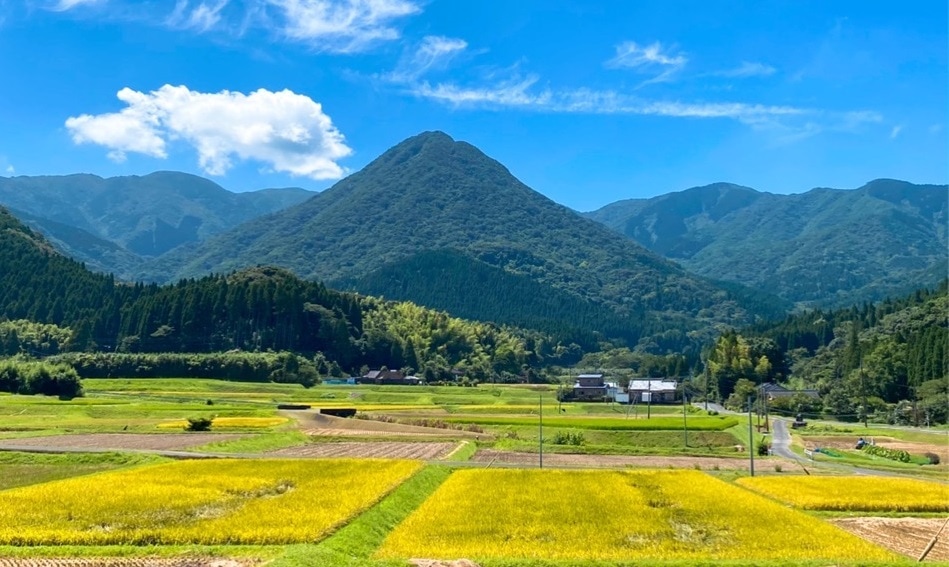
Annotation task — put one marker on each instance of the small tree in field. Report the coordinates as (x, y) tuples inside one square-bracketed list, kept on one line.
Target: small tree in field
[(199, 423)]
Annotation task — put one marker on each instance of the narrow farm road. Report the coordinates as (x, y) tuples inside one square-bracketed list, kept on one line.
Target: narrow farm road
[(781, 446)]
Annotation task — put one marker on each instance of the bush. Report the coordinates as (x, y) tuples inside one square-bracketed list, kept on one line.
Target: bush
[(199, 423), (32, 377), (569, 438), (933, 458), (892, 454), (764, 448)]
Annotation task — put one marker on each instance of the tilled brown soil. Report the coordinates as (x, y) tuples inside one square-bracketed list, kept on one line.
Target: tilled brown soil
[(119, 441), (620, 461), (126, 562), (378, 450), (908, 536)]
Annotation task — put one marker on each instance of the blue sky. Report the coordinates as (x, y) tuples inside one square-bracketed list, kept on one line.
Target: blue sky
[(587, 102)]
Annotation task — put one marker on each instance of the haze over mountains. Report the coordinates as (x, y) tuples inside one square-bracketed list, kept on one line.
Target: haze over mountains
[(439, 223), (822, 247)]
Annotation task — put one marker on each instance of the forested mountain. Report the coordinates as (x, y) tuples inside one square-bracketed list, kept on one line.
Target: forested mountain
[(145, 216), (96, 253), (259, 309), (431, 193), (890, 359), (825, 247)]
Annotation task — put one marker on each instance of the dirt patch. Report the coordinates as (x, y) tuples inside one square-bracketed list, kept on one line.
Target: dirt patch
[(120, 441), (621, 461), (848, 442), (380, 450), (908, 536), (326, 425), (439, 563), (127, 562)]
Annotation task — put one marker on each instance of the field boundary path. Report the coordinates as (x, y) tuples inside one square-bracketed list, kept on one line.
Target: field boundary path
[(125, 562)]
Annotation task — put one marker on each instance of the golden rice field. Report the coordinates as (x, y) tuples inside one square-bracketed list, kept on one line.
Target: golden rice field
[(854, 493), (201, 502), (230, 423), (613, 515)]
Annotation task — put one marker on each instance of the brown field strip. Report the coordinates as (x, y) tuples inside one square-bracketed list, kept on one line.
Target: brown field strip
[(620, 461), (124, 562), (908, 536), (120, 441), (376, 450)]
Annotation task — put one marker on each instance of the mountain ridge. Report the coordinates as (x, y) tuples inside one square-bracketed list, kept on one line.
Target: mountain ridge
[(144, 215), (822, 247), (431, 192)]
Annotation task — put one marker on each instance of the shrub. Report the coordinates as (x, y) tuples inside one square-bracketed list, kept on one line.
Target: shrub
[(892, 454), (764, 448), (199, 423), (933, 458), (569, 438)]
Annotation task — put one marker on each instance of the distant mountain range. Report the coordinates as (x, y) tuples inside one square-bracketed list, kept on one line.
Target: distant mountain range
[(431, 193), (822, 247), (114, 223), (437, 222)]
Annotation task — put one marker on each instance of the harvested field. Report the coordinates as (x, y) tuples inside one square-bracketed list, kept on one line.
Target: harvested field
[(326, 425), (849, 442), (620, 461), (126, 562), (380, 450), (119, 441), (908, 536)]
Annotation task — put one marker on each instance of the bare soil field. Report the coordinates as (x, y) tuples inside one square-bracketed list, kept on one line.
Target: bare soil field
[(126, 562), (119, 441), (620, 461), (911, 447), (378, 450), (326, 425), (908, 536)]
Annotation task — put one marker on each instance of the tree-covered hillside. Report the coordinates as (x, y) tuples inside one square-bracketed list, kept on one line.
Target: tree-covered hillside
[(142, 215), (432, 193), (825, 247), (258, 309), (890, 360)]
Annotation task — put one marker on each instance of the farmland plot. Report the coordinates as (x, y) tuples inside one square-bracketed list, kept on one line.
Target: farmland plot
[(200, 502), (371, 449), (601, 515), (854, 493)]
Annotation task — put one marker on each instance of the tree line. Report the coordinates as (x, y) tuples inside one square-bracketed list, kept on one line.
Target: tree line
[(51, 304)]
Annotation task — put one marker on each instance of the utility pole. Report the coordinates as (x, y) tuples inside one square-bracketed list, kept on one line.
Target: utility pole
[(751, 439), (540, 436), (863, 393), (685, 420), (706, 385), (648, 399)]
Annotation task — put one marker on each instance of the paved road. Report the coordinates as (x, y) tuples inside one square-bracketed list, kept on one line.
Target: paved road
[(781, 441), (781, 446)]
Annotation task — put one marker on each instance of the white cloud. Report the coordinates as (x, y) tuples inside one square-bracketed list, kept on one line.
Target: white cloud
[(340, 25), (896, 131), (287, 131), (433, 53), (747, 69), (648, 59), (203, 17), (10, 170), (585, 101), (65, 5)]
